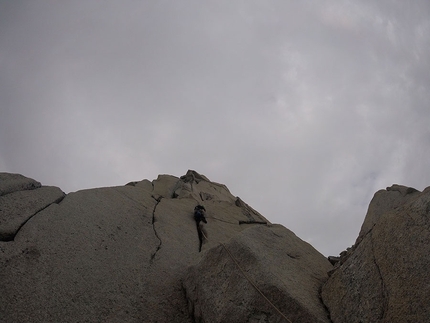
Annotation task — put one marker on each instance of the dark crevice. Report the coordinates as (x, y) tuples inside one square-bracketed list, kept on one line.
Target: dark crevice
[(158, 199), (190, 304), (252, 222), (12, 237), (383, 287), (293, 256), (61, 199), (323, 304)]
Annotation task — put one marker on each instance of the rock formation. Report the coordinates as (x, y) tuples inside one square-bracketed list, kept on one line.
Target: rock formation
[(385, 276), (286, 270), (131, 254)]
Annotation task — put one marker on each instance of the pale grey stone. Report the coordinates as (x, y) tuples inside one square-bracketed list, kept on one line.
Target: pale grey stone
[(131, 254), (286, 270), (18, 207), (10, 183), (385, 277)]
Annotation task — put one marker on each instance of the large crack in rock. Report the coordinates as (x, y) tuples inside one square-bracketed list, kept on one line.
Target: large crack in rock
[(17, 208), (160, 242), (58, 201), (383, 288), (324, 305)]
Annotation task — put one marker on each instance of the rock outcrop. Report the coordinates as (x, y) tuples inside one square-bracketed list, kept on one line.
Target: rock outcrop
[(385, 277), (20, 199), (228, 283), (131, 254)]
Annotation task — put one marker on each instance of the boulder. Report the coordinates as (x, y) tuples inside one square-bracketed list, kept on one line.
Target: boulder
[(263, 274), (384, 276)]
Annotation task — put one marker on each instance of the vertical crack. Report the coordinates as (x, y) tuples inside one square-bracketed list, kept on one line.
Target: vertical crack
[(383, 287), (190, 304), (327, 310), (158, 199)]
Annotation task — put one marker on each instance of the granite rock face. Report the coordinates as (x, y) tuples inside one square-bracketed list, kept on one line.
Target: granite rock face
[(122, 254), (131, 254), (10, 183), (385, 277), (16, 208)]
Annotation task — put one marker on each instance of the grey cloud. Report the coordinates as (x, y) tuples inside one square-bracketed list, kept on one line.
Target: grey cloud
[(303, 109)]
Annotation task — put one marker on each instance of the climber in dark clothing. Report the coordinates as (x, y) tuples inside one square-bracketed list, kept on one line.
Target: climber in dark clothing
[(199, 216)]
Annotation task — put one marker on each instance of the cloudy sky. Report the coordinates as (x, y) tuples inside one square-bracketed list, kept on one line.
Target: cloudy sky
[(304, 109)]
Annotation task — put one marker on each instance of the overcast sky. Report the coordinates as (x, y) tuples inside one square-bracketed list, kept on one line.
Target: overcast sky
[(304, 109)]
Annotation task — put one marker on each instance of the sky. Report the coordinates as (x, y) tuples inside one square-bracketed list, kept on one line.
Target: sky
[(304, 109)]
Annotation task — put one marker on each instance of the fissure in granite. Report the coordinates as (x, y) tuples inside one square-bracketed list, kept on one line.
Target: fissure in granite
[(158, 199), (12, 237), (323, 304), (383, 287)]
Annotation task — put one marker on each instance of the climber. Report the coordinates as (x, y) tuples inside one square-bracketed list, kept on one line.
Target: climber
[(199, 216)]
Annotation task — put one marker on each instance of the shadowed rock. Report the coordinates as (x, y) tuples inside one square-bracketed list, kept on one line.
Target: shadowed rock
[(385, 276), (286, 270), (131, 254), (20, 199)]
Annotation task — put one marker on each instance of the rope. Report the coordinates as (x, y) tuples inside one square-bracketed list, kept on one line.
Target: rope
[(253, 284), (204, 235), (244, 274)]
